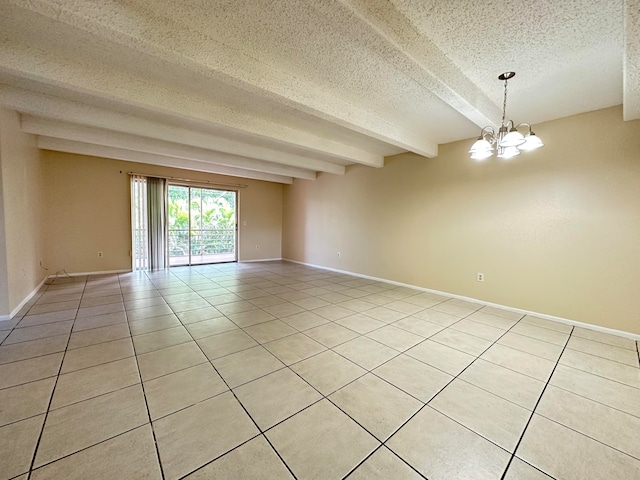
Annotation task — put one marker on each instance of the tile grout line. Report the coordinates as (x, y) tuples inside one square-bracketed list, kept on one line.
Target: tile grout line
[(53, 391), (146, 403), (444, 387), (533, 412), (320, 393), (425, 404), (587, 435), (326, 349), (261, 432)]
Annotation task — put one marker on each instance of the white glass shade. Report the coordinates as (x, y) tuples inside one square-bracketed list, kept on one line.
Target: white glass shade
[(532, 141), (481, 146), (509, 152), (481, 155), (512, 139)]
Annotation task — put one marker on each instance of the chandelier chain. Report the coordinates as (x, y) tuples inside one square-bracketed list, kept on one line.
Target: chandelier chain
[(504, 103)]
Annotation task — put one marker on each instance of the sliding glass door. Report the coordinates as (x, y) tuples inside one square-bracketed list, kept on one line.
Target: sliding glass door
[(202, 225)]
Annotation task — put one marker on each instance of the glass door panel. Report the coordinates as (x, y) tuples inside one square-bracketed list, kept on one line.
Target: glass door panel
[(202, 225), (178, 224)]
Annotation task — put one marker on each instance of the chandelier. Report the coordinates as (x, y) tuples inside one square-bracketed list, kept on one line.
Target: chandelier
[(508, 141)]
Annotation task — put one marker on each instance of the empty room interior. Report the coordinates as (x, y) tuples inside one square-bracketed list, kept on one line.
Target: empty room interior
[(363, 239)]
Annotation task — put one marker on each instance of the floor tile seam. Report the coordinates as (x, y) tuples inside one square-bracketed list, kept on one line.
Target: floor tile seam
[(101, 343), (595, 401), (576, 335), (610, 345), (101, 305), (458, 349), (421, 309), (533, 412), (209, 462), (540, 340), (230, 389), (602, 376), (472, 429), (99, 326), (498, 395), (53, 391), (373, 372), (261, 432), (466, 314), (170, 327), (181, 342), (270, 341), (516, 371), (453, 327), (128, 309), (528, 353), (425, 406), (488, 324), (524, 321), (146, 404), (52, 303), (97, 315), (30, 381), (532, 466), (454, 377), (13, 422), (601, 442), (378, 448), (604, 358), (154, 420), (119, 389), (36, 339), (67, 455), (175, 371), (35, 356), (36, 303)]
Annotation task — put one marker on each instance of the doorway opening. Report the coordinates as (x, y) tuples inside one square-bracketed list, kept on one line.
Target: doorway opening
[(202, 225)]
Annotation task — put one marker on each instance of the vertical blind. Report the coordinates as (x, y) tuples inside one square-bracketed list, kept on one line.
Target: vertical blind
[(157, 222), (148, 223)]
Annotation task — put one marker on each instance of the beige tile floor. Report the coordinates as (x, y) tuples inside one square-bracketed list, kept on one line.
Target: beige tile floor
[(278, 371)]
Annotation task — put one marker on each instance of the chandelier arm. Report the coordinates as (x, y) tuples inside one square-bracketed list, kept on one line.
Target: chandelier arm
[(488, 130), (523, 124)]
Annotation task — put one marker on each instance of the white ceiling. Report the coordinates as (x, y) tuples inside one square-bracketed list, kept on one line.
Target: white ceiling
[(284, 89)]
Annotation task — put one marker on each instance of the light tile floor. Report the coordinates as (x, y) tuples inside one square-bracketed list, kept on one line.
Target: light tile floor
[(277, 370)]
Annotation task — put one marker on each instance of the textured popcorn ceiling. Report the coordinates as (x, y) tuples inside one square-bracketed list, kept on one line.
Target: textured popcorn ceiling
[(288, 88)]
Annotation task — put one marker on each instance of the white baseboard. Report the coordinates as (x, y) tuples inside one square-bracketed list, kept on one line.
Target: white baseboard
[(30, 296), (102, 272), (590, 326), (261, 260), (23, 302)]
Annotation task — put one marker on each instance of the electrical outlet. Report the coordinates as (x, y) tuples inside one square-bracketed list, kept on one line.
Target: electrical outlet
[(257, 247), (100, 254), (339, 254), (480, 277)]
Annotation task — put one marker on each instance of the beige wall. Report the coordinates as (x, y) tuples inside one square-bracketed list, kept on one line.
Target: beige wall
[(555, 231), (21, 194), (88, 210)]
